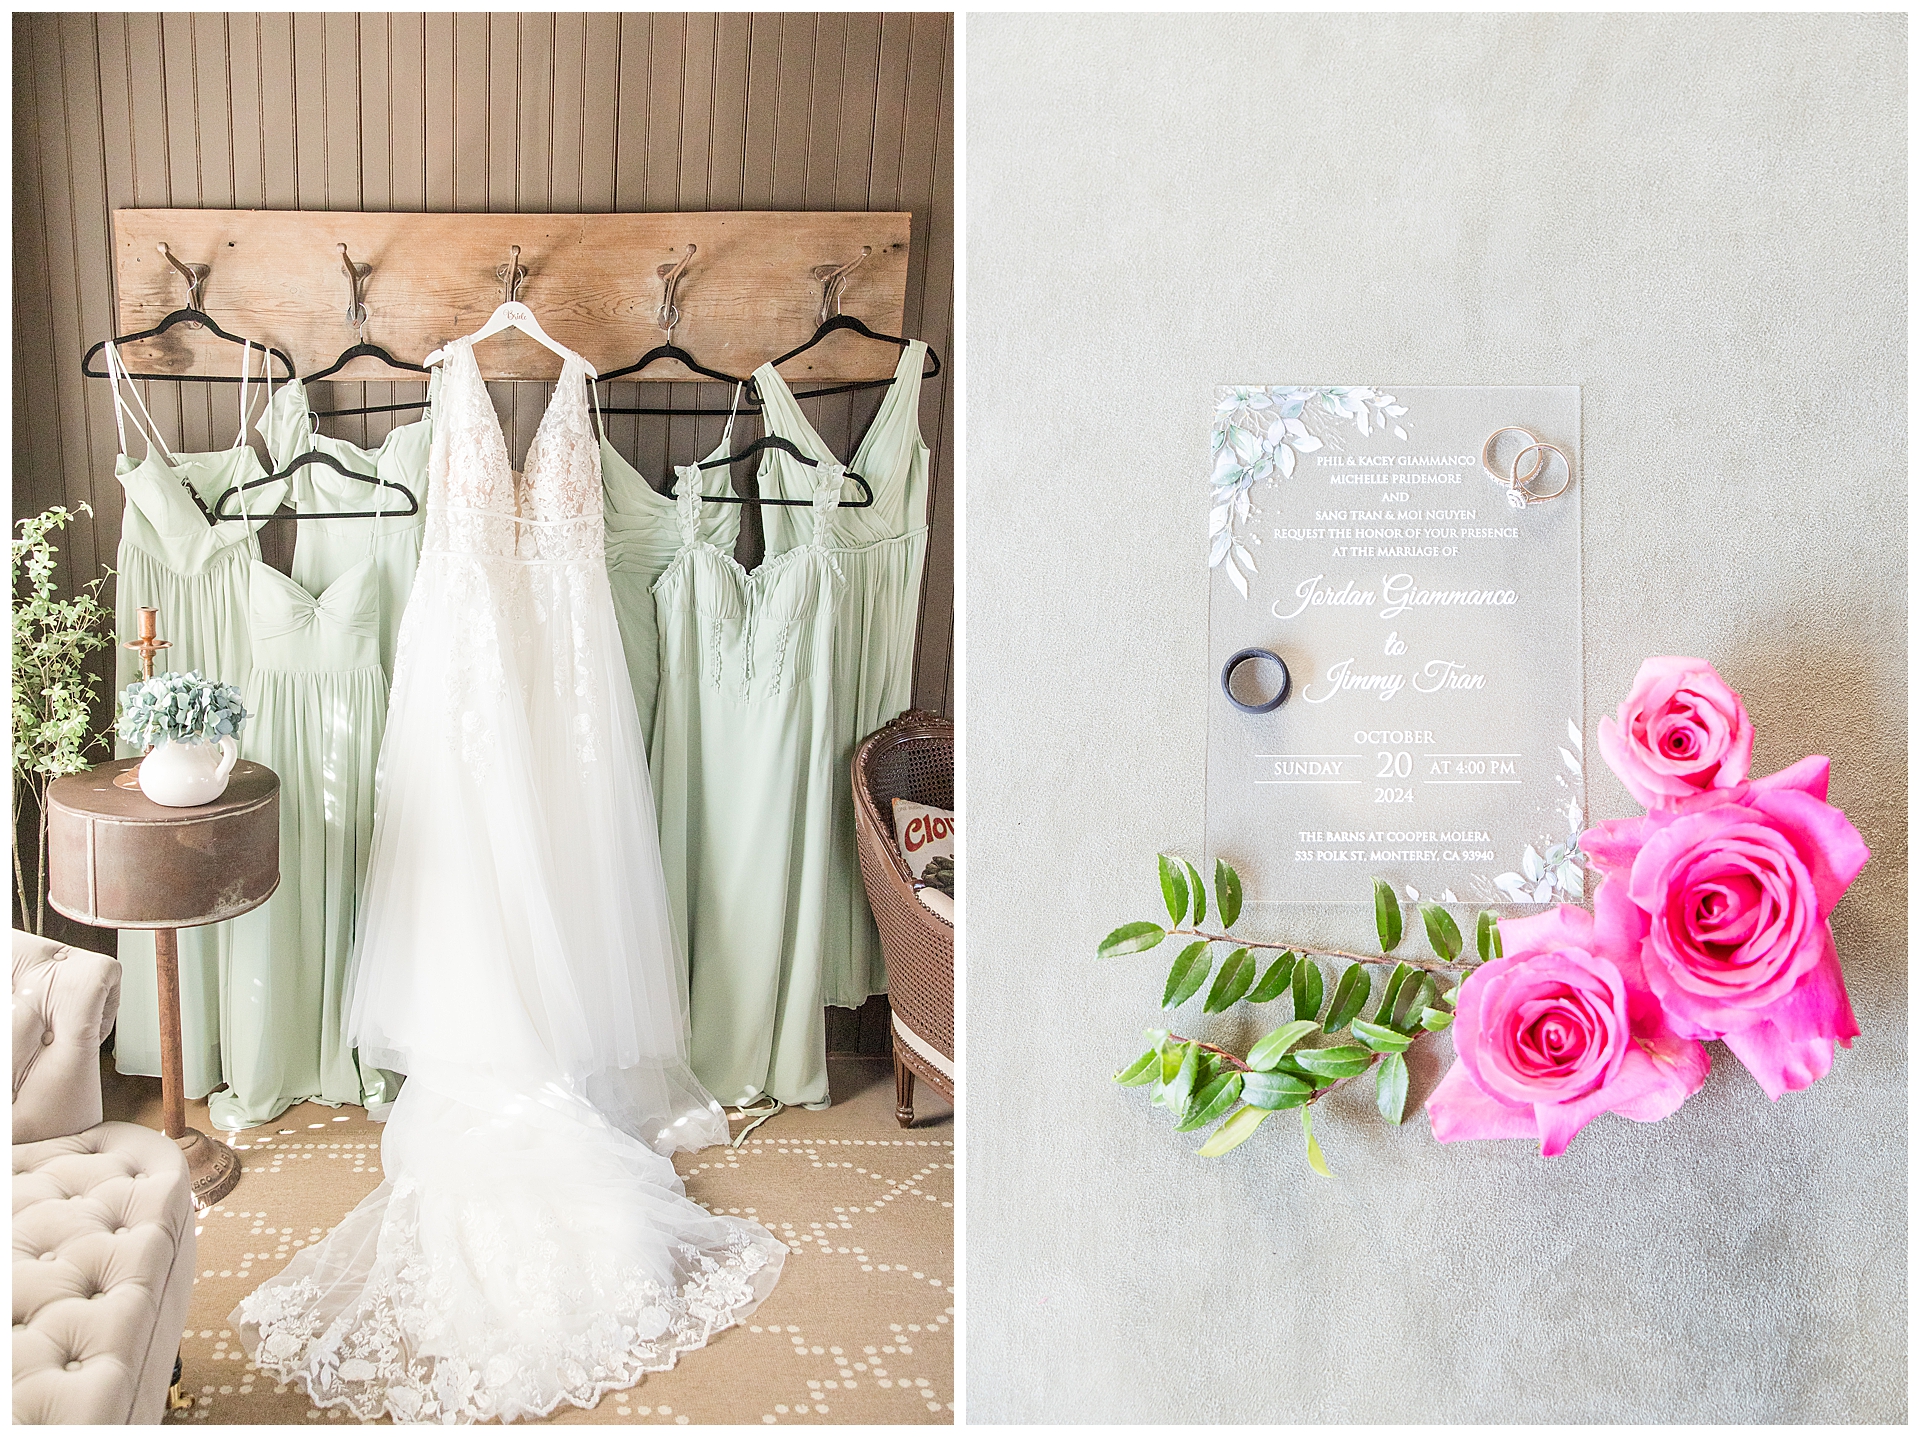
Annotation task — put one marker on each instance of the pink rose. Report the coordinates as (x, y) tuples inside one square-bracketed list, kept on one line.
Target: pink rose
[(1730, 894), (1556, 1033), (1682, 731)]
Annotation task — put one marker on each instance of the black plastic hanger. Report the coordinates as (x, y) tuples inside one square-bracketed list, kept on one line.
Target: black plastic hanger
[(363, 350), (845, 321), (774, 441), (675, 413), (372, 408), (671, 351), (315, 456), (674, 351), (183, 316)]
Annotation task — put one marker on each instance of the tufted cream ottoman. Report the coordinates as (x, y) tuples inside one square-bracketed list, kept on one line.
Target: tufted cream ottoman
[(102, 1217)]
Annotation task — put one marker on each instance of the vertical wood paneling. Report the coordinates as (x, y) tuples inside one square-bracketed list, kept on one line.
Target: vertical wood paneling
[(665, 52), (244, 102), (86, 160), (437, 119), (59, 269), (732, 73), (599, 119), (444, 111), (567, 113), (375, 40), (407, 111), (696, 114), (470, 112), (278, 107), (211, 81), (791, 128), (38, 123)]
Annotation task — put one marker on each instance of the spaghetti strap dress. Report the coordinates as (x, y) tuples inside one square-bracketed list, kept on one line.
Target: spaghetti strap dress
[(643, 535), (316, 705), (324, 549), (882, 550), (745, 779), (197, 575)]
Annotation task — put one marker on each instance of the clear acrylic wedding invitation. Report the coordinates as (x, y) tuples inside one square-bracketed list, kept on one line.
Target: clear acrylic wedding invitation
[(1431, 626)]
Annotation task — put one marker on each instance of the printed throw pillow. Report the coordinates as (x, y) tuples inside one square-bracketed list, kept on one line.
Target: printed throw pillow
[(939, 875), (923, 834)]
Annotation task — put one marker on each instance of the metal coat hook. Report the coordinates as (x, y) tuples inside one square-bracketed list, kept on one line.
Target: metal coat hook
[(833, 279), (356, 276), (194, 274), (511, 275), (670, 275)]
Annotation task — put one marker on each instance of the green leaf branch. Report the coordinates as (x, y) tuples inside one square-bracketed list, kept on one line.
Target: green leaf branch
[(54, 694), (1201, 1083)]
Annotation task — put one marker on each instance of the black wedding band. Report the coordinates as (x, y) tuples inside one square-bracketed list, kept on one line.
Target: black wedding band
[(1226, 681)]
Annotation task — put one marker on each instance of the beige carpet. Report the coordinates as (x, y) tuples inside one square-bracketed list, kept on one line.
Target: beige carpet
[(860, 1328)]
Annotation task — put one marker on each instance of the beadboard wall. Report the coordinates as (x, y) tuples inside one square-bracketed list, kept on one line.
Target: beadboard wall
[(556, 113)]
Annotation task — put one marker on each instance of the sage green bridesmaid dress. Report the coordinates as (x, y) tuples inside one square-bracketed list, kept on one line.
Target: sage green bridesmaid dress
[(744, 780), (197, 575), (882, 550), (327, 548), (643, 535), (316, 703)]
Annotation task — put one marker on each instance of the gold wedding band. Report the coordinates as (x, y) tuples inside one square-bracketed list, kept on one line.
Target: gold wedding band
[(1486, 456), (1519, 485)]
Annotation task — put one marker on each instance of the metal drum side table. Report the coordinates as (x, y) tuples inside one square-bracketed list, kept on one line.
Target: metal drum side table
[(116, 859)]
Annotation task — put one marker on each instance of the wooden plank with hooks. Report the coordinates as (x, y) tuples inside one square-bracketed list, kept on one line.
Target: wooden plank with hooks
[(750, 291)]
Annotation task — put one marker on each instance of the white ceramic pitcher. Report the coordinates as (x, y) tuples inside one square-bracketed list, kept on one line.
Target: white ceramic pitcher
[(186, 775)]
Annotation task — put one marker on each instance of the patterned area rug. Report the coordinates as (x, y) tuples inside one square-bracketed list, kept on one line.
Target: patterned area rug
[(860, 1328)]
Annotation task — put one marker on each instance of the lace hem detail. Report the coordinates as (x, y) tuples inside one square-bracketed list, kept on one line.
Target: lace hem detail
[(363, 1360)]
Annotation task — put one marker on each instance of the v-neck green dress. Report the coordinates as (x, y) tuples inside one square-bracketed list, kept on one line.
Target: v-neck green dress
[(316, 704), (197, 575), (882, 550), (643, 535), (744, 779), (325, 549)]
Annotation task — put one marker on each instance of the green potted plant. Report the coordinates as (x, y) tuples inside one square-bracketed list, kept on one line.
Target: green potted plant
[(53, 694)]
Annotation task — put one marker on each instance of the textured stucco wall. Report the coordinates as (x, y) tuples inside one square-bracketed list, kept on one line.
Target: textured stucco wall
[(1700, 220)]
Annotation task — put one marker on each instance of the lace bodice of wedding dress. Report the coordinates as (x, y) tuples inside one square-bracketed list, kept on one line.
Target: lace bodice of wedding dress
[(531, 1244)]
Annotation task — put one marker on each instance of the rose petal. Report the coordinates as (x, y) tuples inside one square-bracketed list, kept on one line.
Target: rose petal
[(1558, 1122), (1459, 1110), (1818, 1006), (1829, 845), (1658, 1076), (1780, 1064), (1620, 927), (1612, 846), (1562, 926), (1809, 776)]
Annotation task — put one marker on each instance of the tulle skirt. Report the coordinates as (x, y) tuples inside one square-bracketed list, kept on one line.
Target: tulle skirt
[(530, 1244), (516, 918), (510, 1262)]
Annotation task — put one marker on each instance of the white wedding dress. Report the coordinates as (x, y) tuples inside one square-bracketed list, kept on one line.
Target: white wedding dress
[(531, 1243)]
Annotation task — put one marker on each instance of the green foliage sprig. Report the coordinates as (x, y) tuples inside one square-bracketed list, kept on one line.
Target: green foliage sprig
[(1200, 1082), (53, 694)]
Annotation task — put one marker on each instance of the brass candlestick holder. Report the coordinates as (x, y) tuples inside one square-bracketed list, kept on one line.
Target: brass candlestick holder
[(147, 645)]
